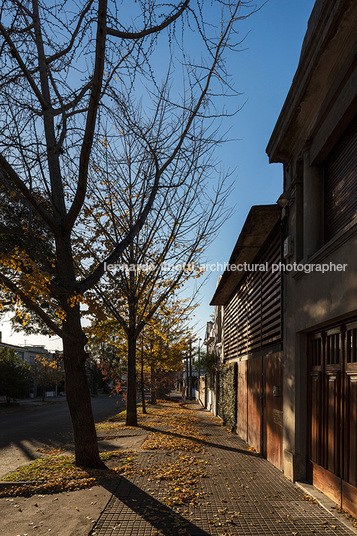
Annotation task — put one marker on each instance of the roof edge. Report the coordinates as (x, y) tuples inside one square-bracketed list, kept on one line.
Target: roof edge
[(257, 227)]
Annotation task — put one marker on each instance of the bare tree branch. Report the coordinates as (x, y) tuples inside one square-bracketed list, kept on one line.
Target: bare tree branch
[(8, 177), (15, 54), (91, 117), (75, 33), (149, 31)]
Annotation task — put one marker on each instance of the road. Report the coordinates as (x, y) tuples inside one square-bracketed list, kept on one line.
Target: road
[(23, 432)]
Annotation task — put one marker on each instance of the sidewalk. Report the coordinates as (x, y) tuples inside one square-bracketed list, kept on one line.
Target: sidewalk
[(236, 493)]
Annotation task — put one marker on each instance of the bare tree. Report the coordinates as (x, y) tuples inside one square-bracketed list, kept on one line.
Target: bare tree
[(187, 212), (63, 66)]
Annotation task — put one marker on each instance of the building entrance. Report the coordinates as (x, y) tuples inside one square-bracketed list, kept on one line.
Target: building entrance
[(332, 413)]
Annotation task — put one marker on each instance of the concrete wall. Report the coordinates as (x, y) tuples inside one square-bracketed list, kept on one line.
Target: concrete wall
[(313, 300), (207, 395)]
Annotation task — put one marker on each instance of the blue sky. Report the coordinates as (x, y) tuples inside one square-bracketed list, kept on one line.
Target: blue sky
[(263, 72)]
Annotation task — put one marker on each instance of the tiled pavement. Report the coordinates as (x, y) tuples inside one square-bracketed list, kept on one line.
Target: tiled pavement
[(244, 495)]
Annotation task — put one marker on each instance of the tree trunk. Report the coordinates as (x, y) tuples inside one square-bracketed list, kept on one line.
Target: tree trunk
[(142, 381), (80, 407), (131, 411), (74, 358), (153, 385)]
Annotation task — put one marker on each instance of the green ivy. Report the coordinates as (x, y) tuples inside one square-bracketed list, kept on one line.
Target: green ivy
[(228, 395)]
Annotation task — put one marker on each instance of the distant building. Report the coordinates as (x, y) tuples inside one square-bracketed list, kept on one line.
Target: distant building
[(28, 355), (209, 339), (209, 383)]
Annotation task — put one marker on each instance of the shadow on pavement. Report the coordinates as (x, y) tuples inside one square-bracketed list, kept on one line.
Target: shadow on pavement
[(202, 441), (128, 499)]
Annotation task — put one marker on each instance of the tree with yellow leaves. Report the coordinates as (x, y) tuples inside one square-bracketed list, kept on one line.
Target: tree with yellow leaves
[(69, 75), (46, 373), (161, 345), (107, 348), (167, 343)]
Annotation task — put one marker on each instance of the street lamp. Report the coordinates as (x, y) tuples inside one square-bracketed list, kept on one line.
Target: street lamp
[(199, 355), (199, 370)]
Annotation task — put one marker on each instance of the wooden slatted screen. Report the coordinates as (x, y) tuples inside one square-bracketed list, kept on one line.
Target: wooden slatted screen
[(340, 184), (231, 327), (252, 317)]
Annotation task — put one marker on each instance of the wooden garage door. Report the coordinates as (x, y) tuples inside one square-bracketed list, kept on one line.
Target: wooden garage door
[(260, 405), (332, 360)]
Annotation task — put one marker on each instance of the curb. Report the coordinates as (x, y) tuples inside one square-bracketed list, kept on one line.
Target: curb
[(17, 484), (326, 503)]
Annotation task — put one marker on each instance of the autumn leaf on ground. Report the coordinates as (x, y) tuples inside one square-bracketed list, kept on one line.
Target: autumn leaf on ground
[(54, 474)]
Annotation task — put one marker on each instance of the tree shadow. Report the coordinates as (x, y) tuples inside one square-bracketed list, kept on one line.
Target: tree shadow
[(202, 441), (128, 499), (22, 453)]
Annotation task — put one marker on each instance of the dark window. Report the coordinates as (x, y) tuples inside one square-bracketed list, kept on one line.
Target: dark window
[(341, 183)]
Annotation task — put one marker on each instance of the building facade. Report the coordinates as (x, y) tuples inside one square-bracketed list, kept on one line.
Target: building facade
[(250, 293), (208, 394), (315, 138), (288, 380)]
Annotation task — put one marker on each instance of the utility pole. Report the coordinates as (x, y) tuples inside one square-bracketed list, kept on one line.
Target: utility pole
[(190, 378), (187, 392), (199, 356), (199, 370)]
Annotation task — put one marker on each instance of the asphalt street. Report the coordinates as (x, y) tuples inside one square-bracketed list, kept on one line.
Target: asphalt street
[(33, 427)]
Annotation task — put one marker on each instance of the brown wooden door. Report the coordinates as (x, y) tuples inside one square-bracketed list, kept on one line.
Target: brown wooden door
[(255, 398), (273, 410), (349, 483), (242, 403), (332, 434)]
